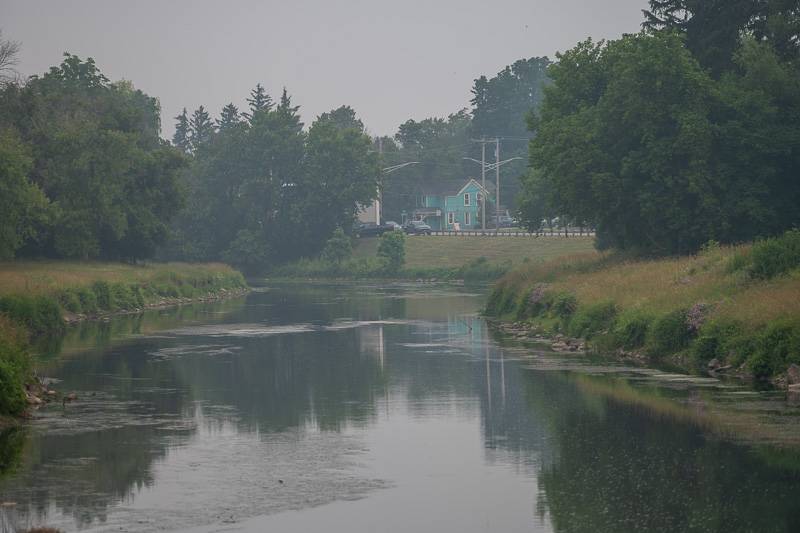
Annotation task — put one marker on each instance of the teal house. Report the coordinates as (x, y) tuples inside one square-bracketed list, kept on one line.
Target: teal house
[(449, 206)]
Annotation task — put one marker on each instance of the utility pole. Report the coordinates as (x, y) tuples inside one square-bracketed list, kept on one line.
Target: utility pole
[(497, 185), (378, 196), (483, 184)]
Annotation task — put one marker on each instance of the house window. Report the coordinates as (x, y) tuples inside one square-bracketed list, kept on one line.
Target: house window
[(466, 199), (451, 218), (479, 197), (467, 219)]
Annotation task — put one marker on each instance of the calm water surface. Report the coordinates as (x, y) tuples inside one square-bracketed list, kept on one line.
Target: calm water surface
[(366, 409)]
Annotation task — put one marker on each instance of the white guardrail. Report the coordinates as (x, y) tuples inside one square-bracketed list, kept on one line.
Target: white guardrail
[(492, 233)]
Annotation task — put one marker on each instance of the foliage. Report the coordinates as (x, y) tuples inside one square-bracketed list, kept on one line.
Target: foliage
[(776, 256), (668, 334), (93, 150), (264, 192), (636, 138), (38, 314), (712, 28), (392, 250), (21, 202), (590, 320), (685, 311), (15, 367), (338, 248)]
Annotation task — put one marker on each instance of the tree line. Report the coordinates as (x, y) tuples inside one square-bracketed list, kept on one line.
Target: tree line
[(261, 190), (686, 132), (83, 171)]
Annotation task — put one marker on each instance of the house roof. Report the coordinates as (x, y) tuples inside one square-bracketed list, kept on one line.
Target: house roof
[(451, 187), (478, 185)]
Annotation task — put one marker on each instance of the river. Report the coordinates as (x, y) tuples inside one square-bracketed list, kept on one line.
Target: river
[(367, 408)]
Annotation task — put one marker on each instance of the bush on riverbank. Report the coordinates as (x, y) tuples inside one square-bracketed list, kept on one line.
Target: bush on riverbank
[(15, 367), (739, 305)]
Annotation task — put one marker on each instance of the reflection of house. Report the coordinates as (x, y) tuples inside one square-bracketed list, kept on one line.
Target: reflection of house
[(450, 205)]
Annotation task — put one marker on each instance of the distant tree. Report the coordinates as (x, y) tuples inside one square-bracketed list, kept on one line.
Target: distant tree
[(500, 104), (180, 138), (341, 172), (343, 117), (22, 204), (439, 145), (259, 101), (289, 112), (9, 51), (229, 117), (200, 128), (713, 28)]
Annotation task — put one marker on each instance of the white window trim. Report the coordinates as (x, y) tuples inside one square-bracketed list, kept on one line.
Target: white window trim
[(466, 199), (451, 218), (467, 217)]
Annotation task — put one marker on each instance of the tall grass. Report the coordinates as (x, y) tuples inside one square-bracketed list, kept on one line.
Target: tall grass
[(723, 303)]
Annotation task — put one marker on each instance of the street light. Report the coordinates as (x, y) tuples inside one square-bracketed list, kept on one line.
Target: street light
[(389, 170)]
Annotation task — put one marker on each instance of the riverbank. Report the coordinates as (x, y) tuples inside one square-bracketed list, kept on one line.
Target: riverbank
[(726, 310), (38, 300), (470, 259)]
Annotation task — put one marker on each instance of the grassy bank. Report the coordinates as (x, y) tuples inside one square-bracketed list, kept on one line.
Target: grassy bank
[(471, 259), (735, 308), (37, 299), (455, 252)]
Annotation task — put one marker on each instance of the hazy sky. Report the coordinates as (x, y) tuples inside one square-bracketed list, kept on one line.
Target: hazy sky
[(391, 61)]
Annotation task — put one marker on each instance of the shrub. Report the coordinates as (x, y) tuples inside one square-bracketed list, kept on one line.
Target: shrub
[(88, 300), (38, 314), (668, 334), (563, 305), (631, 329), (70, 300), (704, 349), (392, 250), (592, 319), (338, 248), (122, 296), (776, 348), (15, 367), (481, 269), (102, 293), (776, 256)]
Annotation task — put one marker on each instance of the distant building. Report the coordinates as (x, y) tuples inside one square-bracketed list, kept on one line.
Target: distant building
[(447, 206), (370, 213)]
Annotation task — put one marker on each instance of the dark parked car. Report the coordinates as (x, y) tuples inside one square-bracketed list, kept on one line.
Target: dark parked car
[(373, 230), (417, 227)]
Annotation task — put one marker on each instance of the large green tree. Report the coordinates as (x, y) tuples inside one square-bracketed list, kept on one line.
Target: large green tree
[(22, 204), (637, 138), (97, 156)]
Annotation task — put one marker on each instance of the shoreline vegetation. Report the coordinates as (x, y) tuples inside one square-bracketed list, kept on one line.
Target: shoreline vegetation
[(728, 310), (467, 259), (38, 299)]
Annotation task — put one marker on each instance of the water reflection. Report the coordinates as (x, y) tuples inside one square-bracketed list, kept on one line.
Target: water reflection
[(378, 401)]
